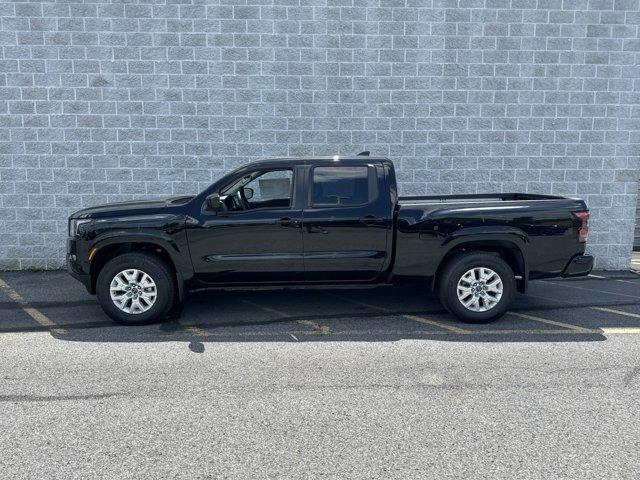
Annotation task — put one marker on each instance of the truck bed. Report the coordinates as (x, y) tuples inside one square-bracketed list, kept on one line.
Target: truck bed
[(542, 227), (478, 198)]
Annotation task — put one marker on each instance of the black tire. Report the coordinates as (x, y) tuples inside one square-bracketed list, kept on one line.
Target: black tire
[(156, 268), (457, 267)]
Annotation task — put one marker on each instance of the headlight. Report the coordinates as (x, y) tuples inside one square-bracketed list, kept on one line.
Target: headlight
[(74, 223)]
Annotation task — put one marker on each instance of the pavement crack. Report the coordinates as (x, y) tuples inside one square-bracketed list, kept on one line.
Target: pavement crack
[(55, 398), (630, 377), (317, 327)]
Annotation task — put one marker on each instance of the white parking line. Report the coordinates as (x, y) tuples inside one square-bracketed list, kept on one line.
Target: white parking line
[(447, 329), (551, 331), (620, 330), (617, 312), (197, 331), (34, 313), (262, 307), (322, 329), (415, 318), (591, 289), (358, 302), (569, 326), (435, 333), (428, 321), (565, 302)]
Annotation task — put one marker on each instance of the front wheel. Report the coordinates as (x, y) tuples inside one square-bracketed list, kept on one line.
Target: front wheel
[(136, 289), (477, 287)]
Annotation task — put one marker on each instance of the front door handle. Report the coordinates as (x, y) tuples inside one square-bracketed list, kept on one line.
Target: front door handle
[(369, 220), (288, 222)]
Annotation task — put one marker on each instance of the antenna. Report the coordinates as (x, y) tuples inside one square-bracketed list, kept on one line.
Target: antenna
[(364, 154)]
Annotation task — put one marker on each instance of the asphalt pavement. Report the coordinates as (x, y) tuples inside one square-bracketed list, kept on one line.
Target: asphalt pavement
[(321, 383)]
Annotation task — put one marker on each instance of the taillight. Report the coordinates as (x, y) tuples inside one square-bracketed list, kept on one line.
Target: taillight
[(583, 231)]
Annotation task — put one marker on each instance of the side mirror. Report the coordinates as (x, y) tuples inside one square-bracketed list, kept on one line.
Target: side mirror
[(213, 202), (247, 192)]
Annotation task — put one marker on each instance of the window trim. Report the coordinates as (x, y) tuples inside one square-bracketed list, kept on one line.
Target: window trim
[(262, 209), (372, 178)]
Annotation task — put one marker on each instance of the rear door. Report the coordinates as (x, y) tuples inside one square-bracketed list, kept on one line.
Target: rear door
[(346, 222)]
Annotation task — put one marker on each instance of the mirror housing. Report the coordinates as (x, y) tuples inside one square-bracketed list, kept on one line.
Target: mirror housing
[(247, 192), (213, 202)]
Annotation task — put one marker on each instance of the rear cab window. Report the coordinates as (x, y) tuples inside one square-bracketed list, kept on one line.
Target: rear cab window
[(343, 186)]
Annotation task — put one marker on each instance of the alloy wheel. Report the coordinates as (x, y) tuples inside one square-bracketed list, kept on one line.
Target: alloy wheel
[(480, 289), (133, 291)]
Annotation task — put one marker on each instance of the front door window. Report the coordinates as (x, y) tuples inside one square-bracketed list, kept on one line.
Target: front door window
[(260, 189)]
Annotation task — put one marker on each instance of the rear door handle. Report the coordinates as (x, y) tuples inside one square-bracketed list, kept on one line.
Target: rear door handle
[(317, 229), (369, 220)]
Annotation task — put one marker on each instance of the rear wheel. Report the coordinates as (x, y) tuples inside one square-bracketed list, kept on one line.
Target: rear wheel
[(136, 288), (477, 287)]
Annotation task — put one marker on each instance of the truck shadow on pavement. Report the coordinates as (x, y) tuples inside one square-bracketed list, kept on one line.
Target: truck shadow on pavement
[(210, 317), (583, 310)]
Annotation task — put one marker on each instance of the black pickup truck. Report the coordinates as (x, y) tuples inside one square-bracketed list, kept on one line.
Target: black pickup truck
[(331, 220)]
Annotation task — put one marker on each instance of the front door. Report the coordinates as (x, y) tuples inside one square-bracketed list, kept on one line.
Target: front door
[(255, 237), (346, 224)]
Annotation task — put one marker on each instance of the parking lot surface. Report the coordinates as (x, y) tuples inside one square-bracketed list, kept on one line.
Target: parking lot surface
[(337, 383)]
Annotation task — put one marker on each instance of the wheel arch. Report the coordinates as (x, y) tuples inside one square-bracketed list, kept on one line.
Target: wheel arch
[(110, 248), (507, 249)]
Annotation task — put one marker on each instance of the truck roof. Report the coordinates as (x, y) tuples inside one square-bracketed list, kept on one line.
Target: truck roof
[(329, 159)]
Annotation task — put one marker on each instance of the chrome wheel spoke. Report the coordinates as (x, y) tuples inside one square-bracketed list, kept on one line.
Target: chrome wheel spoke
[(129, 276), (464, 291), (149, 298), (146, 281), (121, 302), (135, 306), (472, 303)]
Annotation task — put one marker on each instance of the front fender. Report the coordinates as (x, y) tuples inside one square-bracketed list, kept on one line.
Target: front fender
[(179, 257), (176, 249)]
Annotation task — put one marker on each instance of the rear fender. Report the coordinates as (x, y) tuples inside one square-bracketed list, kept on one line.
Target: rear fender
[(497, 238)]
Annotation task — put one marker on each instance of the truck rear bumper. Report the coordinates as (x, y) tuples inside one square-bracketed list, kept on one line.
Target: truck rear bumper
[(579, 266)]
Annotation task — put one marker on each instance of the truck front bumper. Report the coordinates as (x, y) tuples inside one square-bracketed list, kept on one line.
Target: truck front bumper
[(579, 266), (74, 266)]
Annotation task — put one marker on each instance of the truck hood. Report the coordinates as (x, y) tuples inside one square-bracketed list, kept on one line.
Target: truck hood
[(135, 207)]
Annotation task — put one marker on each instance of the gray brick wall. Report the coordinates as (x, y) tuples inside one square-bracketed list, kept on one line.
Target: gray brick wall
[(108, 101)]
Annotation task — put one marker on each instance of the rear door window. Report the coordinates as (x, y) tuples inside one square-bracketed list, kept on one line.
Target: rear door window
[(343, 186)]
